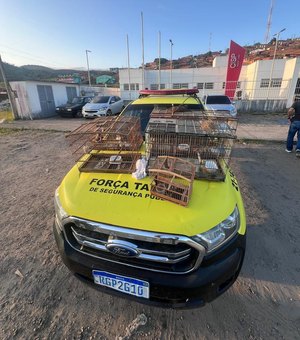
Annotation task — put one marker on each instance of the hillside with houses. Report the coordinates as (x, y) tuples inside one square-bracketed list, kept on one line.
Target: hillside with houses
[(289, 48)]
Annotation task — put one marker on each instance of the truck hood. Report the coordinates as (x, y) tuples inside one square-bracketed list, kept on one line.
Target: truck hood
[(119, 199)]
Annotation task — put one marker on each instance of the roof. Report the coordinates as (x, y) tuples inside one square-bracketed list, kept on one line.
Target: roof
[(105, 79)]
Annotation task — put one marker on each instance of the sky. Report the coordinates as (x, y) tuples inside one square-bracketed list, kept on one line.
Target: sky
[(56, 33)]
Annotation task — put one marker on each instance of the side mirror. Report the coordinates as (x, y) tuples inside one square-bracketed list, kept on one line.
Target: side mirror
[(233, 103), (112, 101)]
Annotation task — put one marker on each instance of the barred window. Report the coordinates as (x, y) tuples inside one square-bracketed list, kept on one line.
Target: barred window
[(276, 82), (137, 86), (126, 87), (238, 85), (180, 86), (264, 82), (200, 86), (132, 87), (153, 86), (209, 86)]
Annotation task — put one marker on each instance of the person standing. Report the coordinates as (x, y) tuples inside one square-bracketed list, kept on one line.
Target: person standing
[(294, 117)]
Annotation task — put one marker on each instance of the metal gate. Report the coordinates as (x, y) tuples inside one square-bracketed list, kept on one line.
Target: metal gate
[(71, 93), (46, 100)]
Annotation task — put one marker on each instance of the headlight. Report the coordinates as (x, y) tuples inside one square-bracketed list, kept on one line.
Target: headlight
[(221, 233), (59, 211), (69, 109), (233, 111)]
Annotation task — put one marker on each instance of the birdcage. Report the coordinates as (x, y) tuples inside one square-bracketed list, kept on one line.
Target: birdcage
[(123, 134), (80, 139), (108, 162), (108, 133), (108, 144), (206, 142), (172, 179)]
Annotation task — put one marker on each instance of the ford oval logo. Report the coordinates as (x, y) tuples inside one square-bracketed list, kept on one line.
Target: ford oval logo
[(122, 248)]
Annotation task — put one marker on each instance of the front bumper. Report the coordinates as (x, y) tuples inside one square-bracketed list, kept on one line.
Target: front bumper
[(94, 114), (217, 272)]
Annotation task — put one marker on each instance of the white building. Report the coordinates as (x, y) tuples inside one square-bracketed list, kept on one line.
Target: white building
[(37, 99), (263, 85)]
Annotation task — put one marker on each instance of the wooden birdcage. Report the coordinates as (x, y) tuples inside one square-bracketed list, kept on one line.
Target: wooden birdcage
[(108, 144), (172, 179), (123, 134), (107, 133)]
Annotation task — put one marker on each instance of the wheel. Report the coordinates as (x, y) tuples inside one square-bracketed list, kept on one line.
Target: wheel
[(108, 113), (77, 114)]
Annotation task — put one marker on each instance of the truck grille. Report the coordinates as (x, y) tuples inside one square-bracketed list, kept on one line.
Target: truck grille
[(158, 252)]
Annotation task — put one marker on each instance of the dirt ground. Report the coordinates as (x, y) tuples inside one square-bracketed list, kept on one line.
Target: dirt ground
[(40, 299)]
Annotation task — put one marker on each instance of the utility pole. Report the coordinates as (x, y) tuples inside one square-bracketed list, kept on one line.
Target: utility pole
[(159, 47), (128, 63), (143, 56), (88, 66), (209, 43), (9, 91), (171, 64), (273, 61), (269, 23)]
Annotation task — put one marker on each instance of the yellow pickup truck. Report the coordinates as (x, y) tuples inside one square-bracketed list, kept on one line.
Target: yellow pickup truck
[(115, 234)]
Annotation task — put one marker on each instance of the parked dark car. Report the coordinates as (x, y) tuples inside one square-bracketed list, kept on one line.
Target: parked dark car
[(73, 108)]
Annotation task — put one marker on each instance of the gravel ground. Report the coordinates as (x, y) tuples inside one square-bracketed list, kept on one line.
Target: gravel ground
[(40, 299)]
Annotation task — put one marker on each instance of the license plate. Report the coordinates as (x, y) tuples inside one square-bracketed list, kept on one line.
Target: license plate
[(122, 284)]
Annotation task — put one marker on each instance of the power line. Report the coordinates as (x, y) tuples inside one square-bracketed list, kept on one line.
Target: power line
[(32, 56)]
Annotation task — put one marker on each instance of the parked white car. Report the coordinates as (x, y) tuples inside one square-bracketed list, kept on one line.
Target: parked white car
[(219, 103), (103, 106)]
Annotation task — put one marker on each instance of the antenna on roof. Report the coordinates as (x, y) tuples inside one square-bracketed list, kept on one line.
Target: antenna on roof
[(269, 23)]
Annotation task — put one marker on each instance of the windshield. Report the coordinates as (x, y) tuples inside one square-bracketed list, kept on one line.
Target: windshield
[(144, 110), (100, 99), (218, 100), (77, 100)]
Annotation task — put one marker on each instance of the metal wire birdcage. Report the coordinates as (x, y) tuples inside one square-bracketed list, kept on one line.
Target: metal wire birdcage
[(123, 134), (107, 133), (120, 136), (108, 162), (172, 179), (205, 141)]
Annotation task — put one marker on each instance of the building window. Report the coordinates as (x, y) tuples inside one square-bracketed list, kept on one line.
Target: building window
[(200, 86), (133, 87), (153, 86), (209, 86), (162, 86), (180, 86), (276, 82), (238, 85), (264, 82)]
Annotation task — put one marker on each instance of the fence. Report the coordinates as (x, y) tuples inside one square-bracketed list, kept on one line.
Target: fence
[(250, 96)]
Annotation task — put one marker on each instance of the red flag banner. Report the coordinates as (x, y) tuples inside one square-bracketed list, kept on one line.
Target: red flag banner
[(235, 62)]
